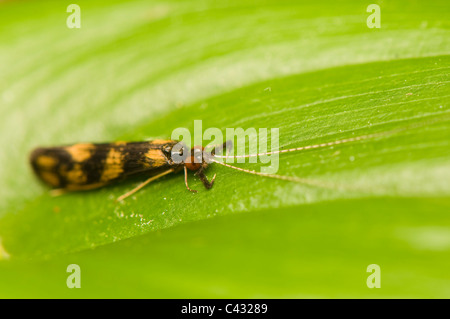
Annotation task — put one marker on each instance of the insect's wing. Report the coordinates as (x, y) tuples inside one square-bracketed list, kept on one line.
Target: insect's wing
[(88, 166)]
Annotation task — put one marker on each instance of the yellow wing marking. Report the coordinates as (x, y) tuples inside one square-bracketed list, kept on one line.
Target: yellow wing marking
[(113, 165), (46, 162), (80, 152), (160, 142), (76, 175), (49, 178), (157, 156)]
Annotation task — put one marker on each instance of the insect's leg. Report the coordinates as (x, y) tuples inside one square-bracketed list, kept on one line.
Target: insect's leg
[(134, 190), (186, 180), (204, 179)]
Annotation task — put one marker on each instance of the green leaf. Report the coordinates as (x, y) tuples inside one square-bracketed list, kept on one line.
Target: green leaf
[(139, 70)]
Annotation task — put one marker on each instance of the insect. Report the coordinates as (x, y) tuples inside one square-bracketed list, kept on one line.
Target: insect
[(89, 166)]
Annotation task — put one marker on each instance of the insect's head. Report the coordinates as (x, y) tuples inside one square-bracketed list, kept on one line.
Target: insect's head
[(198, 159), (194, 158)]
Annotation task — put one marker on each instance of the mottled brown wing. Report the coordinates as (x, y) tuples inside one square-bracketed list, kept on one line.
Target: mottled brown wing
[(88, 166)]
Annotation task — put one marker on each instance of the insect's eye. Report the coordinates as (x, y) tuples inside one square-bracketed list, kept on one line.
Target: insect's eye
[(178, 153)]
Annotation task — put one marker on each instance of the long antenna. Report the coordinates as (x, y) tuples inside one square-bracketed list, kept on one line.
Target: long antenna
[(309, 181), (302, 148), (347, 140)]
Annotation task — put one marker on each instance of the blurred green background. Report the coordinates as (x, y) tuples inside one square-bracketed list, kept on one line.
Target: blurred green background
[(136, 70)]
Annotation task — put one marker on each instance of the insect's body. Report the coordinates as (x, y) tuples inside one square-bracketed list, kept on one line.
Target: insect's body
[(89, 166)]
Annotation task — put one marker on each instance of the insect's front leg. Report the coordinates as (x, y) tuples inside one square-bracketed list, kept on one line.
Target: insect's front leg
[(204, 179)]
